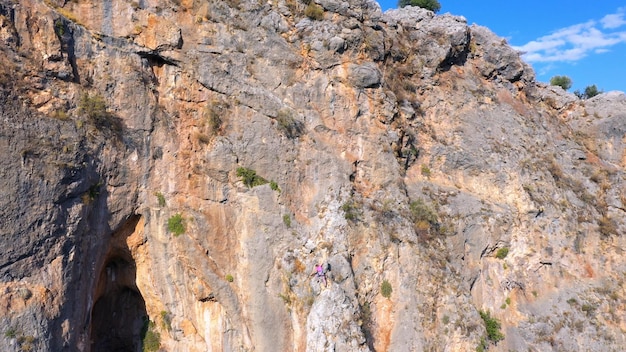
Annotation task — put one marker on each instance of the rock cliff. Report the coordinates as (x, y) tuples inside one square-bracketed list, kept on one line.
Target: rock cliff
[(173, 170)]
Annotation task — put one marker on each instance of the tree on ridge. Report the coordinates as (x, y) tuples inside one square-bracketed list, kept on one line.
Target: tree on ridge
[(561, 81), (590, 92), (432, 5)]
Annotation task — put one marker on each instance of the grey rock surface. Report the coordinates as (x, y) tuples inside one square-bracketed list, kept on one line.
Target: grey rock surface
[(175, 170)]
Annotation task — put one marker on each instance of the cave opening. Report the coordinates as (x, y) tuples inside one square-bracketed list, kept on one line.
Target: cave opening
[(119, 312)]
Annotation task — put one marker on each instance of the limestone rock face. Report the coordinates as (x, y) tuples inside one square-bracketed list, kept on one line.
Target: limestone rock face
[(172, 172)]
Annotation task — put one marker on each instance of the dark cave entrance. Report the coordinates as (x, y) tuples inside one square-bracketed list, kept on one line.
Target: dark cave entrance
[(119, 313)]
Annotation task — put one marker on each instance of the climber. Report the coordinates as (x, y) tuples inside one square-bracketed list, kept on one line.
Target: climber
[(321, 275)]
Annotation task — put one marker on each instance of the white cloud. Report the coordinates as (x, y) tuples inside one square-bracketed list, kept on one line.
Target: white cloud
[(615, 20), (577, 41), (541, 44)]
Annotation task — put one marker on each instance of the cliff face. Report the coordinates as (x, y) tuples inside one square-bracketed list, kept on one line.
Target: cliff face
[(412, 154)]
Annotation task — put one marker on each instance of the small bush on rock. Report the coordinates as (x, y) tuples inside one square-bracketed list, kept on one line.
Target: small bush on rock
[(502, 253), (10, 333), (432, 5), (176, 224), (351, 211), (493, 327), (151, 341), (561, 81), (160, 198), (213, 116), (166, 320), (288, 124), (385, 289), (424, 218), (287, 220), (94, 108), (250, 178), (314, 11), (422, 212)]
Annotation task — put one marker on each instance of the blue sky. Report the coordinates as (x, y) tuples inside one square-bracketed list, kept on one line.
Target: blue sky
[(584, 40)]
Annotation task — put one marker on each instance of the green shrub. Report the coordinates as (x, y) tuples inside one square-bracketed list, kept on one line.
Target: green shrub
[(432, 5), (291, 127), (93, 106), (60, 114), (250, 178), (160, 198), (10, 333), (151, 341), (502, 252), (274, 186), (493, 327), (314, 11), (590, 92), (587, 308), (92, 193), (385, 289), (482, 345), (229, 278), (351, 211), (95, 109), (59, 27), (94, 190), (425, 171), (176, 224), (166, 320), (572, 301), (422, 212), (287, 220), (561, 81)]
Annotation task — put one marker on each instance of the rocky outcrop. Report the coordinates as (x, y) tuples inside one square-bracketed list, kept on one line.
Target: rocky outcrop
[(172, 171)]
